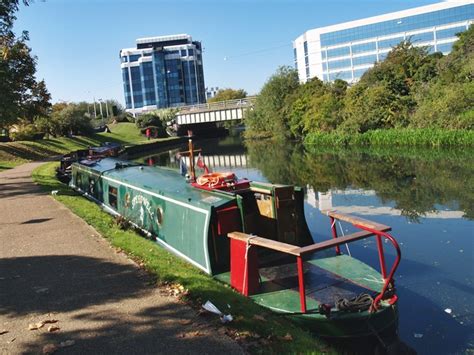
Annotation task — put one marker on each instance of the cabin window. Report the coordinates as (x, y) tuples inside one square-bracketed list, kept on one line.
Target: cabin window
[(79, 180), (91, 186), (113, 196), (159, 216)]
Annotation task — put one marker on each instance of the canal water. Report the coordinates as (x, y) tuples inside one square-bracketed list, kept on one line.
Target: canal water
[(425, 195)]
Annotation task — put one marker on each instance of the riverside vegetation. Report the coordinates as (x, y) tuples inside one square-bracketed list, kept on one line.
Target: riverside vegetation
[(411, 98)]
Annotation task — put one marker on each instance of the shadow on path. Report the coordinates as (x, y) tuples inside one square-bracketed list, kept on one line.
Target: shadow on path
[(63, 283)]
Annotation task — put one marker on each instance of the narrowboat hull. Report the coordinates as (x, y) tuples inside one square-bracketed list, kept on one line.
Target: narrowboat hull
[(197, 225)]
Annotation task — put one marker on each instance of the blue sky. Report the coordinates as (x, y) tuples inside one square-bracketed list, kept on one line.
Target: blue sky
[(78, 42)]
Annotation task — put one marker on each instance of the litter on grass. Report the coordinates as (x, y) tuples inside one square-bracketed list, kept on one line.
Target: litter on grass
[(210, 307)]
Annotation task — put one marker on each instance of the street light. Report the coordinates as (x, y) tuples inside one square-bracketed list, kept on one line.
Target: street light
[(101, 115)]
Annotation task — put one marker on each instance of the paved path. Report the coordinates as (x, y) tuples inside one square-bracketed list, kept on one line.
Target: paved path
[(54, 266)]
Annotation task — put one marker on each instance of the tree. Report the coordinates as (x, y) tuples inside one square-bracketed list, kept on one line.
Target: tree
[(228, 94), (269, 115), (73, 118), (17, 70), (38, 103), (448, 100)]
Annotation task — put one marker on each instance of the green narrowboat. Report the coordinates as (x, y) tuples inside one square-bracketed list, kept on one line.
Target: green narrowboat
[(253, 236)]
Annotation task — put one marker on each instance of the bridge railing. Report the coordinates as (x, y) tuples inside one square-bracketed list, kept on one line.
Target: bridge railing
[(220, 105)]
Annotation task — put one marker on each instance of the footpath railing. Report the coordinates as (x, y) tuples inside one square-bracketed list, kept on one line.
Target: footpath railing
[(220, 105)]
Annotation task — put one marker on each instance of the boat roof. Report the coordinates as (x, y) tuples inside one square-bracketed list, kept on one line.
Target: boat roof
[(162, 181)]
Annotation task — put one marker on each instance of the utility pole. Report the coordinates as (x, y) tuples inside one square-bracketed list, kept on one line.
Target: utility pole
[(100, 106), (95, 111)]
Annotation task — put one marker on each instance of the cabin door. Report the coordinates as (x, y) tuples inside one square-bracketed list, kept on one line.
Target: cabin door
[(285, 213)]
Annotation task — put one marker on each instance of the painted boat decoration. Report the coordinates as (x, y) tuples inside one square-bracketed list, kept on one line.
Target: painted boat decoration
[(254, 236)]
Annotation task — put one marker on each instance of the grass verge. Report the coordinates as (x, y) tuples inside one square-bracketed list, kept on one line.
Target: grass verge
[(395, 137), (259, 330), (9, 164), (124, 133)]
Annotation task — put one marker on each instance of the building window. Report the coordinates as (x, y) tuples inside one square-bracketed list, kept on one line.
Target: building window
[(113, 196), (364, 47), (449, 32), (343, 63), (134, 57), (367, 59), (445, 47), (390, 43), (421, 37), (339, 52)]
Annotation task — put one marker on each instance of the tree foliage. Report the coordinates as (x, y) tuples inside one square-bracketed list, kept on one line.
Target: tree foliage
[(228, 94), (270, 114), (410, 88), (21, 95)]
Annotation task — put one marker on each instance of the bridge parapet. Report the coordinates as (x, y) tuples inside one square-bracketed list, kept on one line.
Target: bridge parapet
[(219, 105)]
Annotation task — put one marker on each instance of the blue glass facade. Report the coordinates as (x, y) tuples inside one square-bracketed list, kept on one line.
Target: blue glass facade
[(346, 53), (160, 77), (405, 24)]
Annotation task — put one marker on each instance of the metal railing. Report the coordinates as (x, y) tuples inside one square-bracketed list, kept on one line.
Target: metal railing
[(368, 228), (220, 105)]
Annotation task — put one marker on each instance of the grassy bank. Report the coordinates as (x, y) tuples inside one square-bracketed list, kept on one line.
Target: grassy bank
[(15, 153), (395, 137), (259, 330)]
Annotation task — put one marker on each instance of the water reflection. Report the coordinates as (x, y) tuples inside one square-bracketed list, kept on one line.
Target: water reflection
[(427, 196), (415, 183)]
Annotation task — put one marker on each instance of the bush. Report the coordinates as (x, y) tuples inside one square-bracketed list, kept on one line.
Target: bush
[(25, 132)]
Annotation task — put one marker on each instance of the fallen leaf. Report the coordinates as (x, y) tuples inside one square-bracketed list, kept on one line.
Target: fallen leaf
[(33, 326), (49, 348), (287, 337), (67, 343), (259, 317), (186, 321), (3, 331), (53, 328)]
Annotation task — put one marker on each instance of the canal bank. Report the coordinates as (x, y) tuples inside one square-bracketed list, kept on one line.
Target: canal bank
[(55, 268)]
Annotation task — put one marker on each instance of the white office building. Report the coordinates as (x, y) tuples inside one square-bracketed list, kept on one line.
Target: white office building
[(345, 51)]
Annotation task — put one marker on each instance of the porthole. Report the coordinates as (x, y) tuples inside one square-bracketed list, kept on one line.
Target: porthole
[(159, 216)]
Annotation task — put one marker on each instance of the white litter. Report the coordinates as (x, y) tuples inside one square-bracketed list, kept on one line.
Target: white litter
[(418, 335), (448, 310), (54, 192), (210, 307)]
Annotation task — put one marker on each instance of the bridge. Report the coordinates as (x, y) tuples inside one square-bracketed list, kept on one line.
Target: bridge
[(223, 161), (192, 116)]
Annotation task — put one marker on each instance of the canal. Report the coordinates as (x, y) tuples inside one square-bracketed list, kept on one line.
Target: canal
[(426, 195)]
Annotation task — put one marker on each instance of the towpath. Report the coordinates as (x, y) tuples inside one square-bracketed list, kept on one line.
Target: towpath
[(54, 266)]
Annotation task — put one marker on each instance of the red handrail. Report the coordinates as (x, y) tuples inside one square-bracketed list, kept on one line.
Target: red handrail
[(388, 280)]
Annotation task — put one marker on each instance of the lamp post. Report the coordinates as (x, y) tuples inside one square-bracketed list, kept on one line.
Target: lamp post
[(101, 114), (100, 106)]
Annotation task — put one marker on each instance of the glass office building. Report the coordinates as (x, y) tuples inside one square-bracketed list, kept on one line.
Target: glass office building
[(162, 72), (345, 51)]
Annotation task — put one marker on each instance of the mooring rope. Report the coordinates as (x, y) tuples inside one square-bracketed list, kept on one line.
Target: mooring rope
[(356, 304)]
